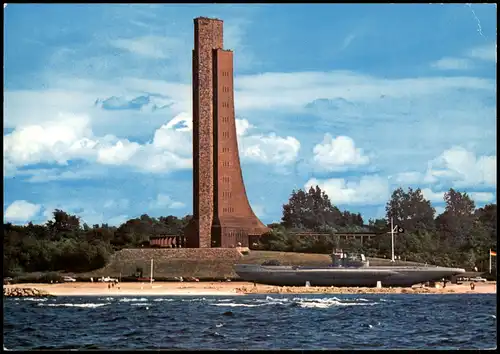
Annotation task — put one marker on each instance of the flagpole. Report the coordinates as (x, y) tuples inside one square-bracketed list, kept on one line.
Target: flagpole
[(392, 241), (490, 260), (151, 276)]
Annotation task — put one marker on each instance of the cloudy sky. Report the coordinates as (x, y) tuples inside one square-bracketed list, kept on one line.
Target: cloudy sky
[(359, 99)]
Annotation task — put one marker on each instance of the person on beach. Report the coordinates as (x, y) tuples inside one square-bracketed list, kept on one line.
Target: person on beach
[(472, 286)]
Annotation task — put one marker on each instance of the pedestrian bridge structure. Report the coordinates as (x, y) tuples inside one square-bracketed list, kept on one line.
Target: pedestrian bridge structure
[(178, 241)]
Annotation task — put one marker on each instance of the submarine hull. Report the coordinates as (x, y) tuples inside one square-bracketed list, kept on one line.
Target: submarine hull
[(329, 276)]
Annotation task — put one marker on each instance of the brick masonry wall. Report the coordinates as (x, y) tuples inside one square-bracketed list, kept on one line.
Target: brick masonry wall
[(208, 35), (222, 214), (234, 214)]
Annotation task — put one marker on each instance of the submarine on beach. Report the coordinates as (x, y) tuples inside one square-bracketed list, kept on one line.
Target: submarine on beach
[(347, 269)]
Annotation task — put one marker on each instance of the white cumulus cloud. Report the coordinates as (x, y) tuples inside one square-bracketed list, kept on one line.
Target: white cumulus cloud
[(52, 141), (117, 154), (171, 138), (242, 126), (338, 154), (438, 197), (269, 149), (463, 168), (457, 165), (71, 138), (369, 190), (482, 197), (21, 210), (164, 201), (433, 197), (184, 119)]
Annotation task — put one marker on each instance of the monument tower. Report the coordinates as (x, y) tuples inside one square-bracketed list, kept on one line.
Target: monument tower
[(222, 215)]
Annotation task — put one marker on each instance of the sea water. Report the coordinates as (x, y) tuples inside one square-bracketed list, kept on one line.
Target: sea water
[(371, 321)]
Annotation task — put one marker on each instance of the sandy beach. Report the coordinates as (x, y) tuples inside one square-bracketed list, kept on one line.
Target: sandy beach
[(235, 288)]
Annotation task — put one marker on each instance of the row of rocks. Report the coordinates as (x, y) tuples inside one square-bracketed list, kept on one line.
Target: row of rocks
[(332, 290), (24, 292)]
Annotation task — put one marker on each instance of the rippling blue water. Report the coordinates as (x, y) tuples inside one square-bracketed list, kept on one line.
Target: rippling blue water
[(252, 322)]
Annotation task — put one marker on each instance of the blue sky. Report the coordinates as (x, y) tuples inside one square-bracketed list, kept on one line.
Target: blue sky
[(359, 99)]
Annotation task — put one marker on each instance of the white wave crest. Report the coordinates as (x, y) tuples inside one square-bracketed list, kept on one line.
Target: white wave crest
[(37, 299), (159, 300), (199, 299), (330, 302), (302, 302), (76, 305), (232, 304), (317, 305), (141, 304), (333, 298), (270, 298), (127, 299), (272, 301)]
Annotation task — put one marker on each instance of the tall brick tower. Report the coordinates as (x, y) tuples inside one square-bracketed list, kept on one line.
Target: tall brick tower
[(222, 216)]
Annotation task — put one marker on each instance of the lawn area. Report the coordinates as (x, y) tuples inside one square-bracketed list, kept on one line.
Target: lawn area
[(205, 264)]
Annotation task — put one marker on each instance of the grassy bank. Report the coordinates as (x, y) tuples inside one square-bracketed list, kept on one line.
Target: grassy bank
[(204, 264)]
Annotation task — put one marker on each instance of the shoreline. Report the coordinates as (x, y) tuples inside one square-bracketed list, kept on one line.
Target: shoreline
[(234, 289)]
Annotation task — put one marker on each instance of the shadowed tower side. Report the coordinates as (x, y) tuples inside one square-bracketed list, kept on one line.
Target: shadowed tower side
[(222, 216)]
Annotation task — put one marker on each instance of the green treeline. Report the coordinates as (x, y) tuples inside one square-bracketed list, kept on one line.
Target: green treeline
[(63, 244), (461, 236)]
